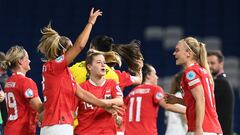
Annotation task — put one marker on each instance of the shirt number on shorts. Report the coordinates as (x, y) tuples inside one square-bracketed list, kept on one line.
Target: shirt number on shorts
[(138, 109), (12, 104)]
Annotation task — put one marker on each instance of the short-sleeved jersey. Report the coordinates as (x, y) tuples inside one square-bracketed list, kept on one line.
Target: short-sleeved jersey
[(142, 109), (58, 91), (194, 76), (19, 90), (79, 72), (125, 79), (94, 120)]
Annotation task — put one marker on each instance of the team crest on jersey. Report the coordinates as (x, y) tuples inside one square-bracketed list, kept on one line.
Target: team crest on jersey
[(159, 95), (191, 75), (107, 96), (59, 59), (29, 93)]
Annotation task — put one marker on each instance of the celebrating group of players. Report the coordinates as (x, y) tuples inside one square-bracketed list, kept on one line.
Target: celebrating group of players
[(91, 90)]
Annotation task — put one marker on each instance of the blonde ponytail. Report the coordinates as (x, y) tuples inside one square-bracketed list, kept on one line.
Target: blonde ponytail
[(203, 59), (199, 53), (49, 43)]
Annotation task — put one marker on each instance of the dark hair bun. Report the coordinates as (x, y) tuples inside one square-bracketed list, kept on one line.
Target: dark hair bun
[(102, 43)]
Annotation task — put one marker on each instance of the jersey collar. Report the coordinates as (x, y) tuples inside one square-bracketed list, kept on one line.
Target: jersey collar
[(18, 73), (193, 64), (93, 83)]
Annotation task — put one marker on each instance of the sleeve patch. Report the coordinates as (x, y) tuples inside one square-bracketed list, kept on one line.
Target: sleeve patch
[(29, 93), (59, 59), (193, 82), (119, 90), (190, 75), (159, 95), (133, 78)]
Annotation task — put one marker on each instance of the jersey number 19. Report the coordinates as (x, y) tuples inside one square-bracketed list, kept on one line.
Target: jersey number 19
[(11, 104)]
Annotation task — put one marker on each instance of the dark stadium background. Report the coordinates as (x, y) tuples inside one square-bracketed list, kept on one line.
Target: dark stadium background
[(124, 20)]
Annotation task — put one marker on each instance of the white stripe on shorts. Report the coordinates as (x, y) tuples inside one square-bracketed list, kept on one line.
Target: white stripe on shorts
[(59, 129), (204, 133), (120, 133)]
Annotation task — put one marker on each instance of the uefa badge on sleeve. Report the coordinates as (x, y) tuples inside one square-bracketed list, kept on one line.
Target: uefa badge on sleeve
[(119, 90), (159, 96), (191, 75), (29, 93), (60, 59)]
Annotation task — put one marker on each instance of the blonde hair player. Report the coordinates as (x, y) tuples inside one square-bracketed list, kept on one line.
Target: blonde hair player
[(59, 88), (22, 100), (197, 85)]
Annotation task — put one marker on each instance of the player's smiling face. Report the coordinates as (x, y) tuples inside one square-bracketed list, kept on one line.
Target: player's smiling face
[(24, 62), (180, 53), (97, 68)]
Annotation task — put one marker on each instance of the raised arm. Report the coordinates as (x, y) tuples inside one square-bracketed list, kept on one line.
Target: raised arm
[(83, 37)]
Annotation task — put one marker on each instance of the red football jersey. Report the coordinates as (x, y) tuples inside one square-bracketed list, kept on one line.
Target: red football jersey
[(19, 89), (193, 76), (94, 120), (59, 92), (142, 110), (125, 79)]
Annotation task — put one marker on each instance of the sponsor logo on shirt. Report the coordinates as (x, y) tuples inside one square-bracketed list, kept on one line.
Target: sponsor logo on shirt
[(191, 75), (59, 59), (29, 93), (108, 94)]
